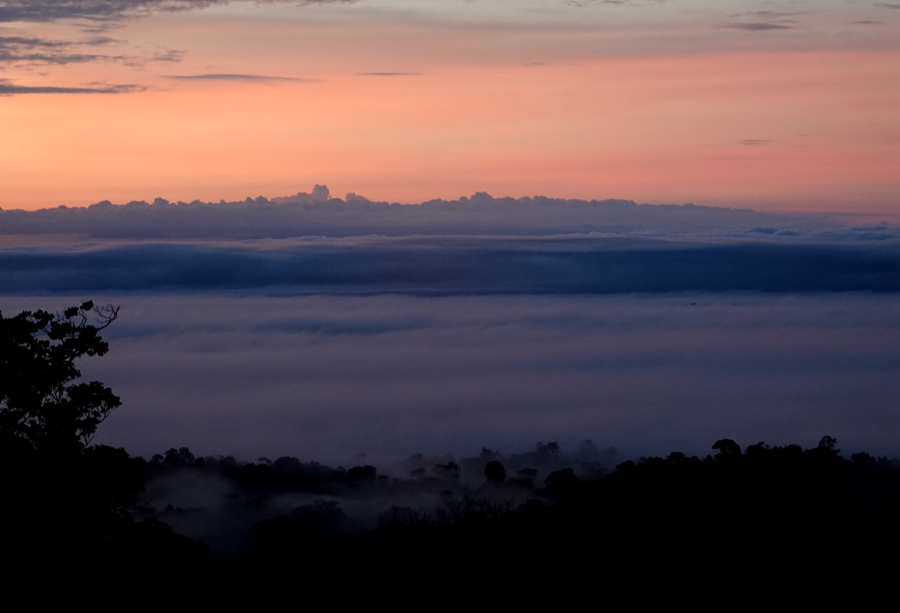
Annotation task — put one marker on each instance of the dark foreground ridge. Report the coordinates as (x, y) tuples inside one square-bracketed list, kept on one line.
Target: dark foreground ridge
[(766, 517)]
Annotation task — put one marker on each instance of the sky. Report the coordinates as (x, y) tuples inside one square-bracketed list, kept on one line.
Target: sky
[(776, 105)]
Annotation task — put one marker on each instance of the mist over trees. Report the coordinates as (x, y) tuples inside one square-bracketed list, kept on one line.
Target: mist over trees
[(770, 510)]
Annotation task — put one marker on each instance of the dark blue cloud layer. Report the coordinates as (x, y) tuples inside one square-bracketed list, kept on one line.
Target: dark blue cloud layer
[(463, 266)]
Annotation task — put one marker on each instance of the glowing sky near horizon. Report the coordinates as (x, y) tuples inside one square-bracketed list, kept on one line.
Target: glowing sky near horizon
[(777, 105)]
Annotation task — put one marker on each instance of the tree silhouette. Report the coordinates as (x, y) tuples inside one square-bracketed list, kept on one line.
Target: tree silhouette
[(727, 448), (495, 473), (41, 404)]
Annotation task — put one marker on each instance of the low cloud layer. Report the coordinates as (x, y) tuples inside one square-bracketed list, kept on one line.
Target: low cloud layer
[(446, 266)]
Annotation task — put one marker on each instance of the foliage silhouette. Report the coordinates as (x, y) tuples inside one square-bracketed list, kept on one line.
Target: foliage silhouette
[(495, 473), (41, 405)]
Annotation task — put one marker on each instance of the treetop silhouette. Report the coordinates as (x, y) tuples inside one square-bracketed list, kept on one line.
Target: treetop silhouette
[(42, 406)]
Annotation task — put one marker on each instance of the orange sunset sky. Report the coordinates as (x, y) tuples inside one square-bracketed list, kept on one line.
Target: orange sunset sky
[(776, 105)]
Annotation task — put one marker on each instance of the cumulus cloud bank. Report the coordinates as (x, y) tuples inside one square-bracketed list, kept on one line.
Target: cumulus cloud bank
[(318, 214)]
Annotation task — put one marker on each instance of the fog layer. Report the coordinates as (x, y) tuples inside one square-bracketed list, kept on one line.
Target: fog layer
[(330, 377)]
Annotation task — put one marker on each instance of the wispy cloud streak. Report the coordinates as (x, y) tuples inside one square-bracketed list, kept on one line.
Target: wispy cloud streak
[(103, 10), (33, 50), (10, 89), (758, 27), (237, 77), (388, 74)]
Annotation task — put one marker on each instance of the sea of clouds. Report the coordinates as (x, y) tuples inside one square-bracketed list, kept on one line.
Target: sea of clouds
[(352, 332)]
